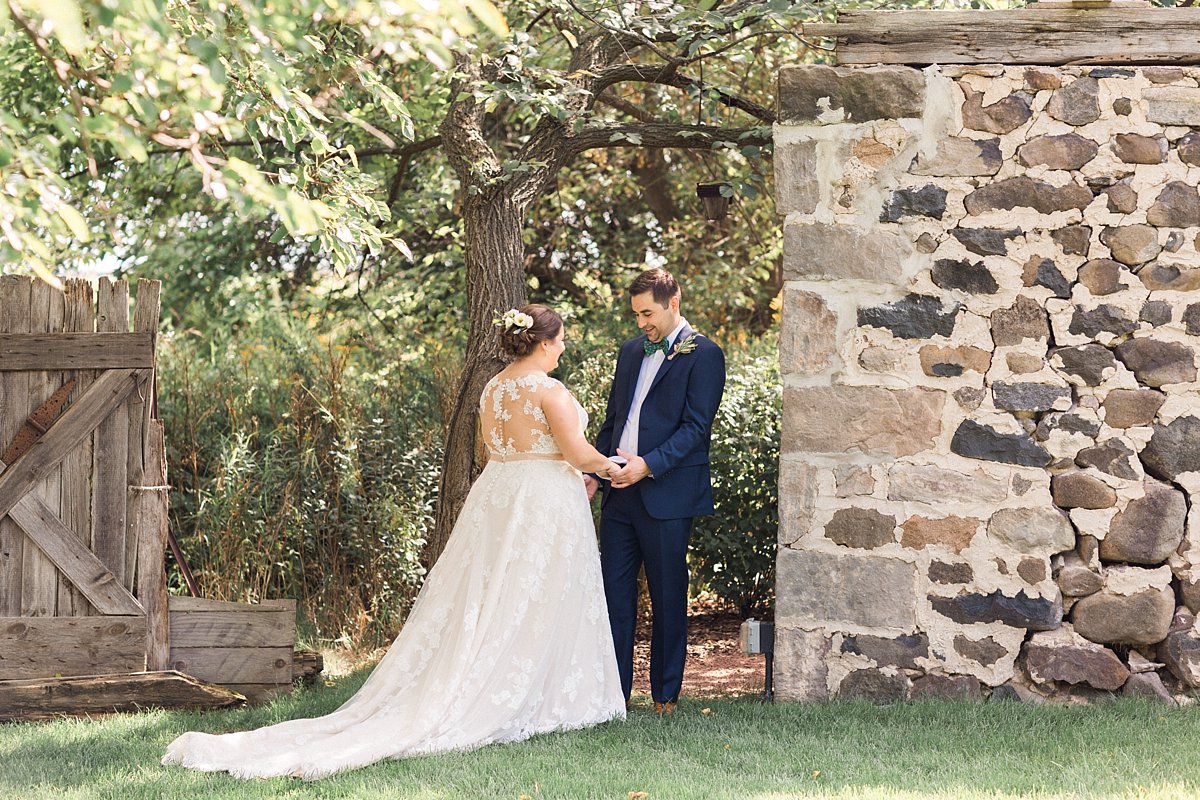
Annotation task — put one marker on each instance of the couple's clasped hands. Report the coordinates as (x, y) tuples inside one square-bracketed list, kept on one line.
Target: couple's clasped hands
[(620, 474)]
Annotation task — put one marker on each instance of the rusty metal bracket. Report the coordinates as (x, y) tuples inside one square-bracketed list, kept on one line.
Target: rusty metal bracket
[(38, 423)]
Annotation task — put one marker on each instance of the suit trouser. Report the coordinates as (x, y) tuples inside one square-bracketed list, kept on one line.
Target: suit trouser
[(629, 538)]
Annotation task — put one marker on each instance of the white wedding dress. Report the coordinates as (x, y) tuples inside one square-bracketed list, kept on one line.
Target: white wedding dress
[(508, 638)]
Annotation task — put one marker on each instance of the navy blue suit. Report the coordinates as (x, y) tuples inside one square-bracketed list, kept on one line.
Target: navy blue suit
[(649, 522)]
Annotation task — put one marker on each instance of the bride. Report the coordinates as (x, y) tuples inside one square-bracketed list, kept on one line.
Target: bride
[(509, 636)]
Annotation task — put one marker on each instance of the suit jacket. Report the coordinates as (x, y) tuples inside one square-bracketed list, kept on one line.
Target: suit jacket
[(675, 426)]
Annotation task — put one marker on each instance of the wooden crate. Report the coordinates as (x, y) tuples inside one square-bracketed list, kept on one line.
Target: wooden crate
[(247, 648)]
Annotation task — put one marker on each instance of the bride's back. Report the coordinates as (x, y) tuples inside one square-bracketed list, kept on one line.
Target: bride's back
[(512, 418)]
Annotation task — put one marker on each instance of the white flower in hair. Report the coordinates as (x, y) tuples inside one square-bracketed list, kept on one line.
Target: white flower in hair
[(514, 320)]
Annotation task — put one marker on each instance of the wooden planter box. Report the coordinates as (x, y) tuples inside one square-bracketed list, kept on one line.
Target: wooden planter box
[(246, 648)]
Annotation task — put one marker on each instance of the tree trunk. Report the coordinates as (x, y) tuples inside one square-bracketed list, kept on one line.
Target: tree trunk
[(494, 255)]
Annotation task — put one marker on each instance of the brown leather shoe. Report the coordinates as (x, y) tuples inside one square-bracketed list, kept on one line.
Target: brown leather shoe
[(664, 709)]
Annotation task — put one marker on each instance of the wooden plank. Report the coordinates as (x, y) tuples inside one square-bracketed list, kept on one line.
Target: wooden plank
[(307, 666), (225, 665), (181, 603), (149, 510), (41, 351), (39, 590), (145, 322), (63, 550), (80, 419), (110, 460), (232, 629), (1019, 36), (51, 698), (15, 297), (77, 465), (42, 647)]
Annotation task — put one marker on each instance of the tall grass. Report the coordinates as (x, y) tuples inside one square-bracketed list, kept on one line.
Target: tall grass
[(305, 463)]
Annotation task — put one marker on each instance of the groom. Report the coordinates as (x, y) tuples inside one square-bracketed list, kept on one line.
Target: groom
[(664, 397)]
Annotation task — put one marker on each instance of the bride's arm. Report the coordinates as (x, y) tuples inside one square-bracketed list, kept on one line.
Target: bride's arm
[(563, 418)]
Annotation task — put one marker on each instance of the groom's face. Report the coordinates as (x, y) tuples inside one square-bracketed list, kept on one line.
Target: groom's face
[(654, 320)]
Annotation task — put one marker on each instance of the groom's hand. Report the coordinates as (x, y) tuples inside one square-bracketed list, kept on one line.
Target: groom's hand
[(591, 484), (631, 473)]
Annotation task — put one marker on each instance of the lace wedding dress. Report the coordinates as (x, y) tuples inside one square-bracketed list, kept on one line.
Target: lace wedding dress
[(508, 638)]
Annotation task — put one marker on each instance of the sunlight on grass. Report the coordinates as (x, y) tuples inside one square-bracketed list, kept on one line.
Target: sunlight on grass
[(739, 750)]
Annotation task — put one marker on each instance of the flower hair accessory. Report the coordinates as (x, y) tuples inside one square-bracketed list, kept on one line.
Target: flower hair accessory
[(514, 321)]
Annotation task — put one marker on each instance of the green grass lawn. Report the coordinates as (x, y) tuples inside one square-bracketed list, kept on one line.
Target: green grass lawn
[(740, 749)]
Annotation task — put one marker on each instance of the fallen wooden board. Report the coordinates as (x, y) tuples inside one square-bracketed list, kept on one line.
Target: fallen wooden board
[(51, 698), (1052, 36), (307, 665)]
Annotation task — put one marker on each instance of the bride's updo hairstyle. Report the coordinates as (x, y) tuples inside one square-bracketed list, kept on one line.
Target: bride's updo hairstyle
[(518, 340)]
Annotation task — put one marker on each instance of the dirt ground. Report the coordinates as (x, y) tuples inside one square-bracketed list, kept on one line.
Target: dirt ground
[(715, 664)]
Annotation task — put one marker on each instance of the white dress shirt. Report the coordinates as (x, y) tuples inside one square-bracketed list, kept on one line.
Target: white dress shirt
[(650, 367)]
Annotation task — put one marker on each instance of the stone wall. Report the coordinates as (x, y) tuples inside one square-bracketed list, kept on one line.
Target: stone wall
[(991, 435)]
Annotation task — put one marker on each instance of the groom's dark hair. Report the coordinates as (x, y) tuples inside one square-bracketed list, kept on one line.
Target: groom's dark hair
[(660, 283)]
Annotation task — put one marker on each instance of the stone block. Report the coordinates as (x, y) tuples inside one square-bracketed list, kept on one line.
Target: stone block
[(899, 651), (950, 362), (986, 241), (986, 651), (807, 334), (861, 528), (1033, 531), (1030, 396), (927, 483), (1104, 318), (801, 664), (816, 589), (1148, 529), (975, 440), (1077, 103), (798, 485), (1025, 192), (1025, 319), (959, 157), (1003, 116), (1157, 363), (950, 573), (797, 185), (1134, 608), (1132, 244), (874, 685), (817, 251), (1134, 148), (1173, 105), (815, 93), (1020, 611), (968, 276), (1180, 651), (1073, 239), (1174, 448), (1102, 276), (867, 419), (1065, 151), (919, 201), (913, 316), (1126, 408), (1169, 277), (1091, 364), (1062, 655), (1081, 490), (953, 533), (1177, 206)]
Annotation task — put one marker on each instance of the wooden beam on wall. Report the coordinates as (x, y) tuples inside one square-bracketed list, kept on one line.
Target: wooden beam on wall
[(1032, 35), (42, 647)]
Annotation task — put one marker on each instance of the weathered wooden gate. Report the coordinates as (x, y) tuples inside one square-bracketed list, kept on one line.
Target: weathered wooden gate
[(83, 509)]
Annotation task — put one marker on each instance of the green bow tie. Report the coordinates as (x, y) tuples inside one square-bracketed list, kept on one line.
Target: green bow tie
[(650, 346)]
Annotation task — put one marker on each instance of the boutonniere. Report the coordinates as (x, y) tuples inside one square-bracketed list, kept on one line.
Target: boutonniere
[(683, 346)]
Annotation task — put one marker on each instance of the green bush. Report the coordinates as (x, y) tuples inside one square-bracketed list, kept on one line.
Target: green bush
[(732, 553), (305, 467)]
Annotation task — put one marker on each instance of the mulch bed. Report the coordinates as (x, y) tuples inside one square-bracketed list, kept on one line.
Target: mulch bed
[(715, 665)]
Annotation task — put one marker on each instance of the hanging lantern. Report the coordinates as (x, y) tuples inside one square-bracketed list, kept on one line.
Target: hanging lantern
[(716, 198)]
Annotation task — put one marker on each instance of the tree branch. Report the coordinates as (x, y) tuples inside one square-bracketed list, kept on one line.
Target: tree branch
[(668, 75), (666, 134)]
